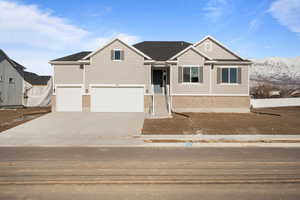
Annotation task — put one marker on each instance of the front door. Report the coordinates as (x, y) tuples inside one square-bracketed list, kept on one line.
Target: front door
[(158, 81)]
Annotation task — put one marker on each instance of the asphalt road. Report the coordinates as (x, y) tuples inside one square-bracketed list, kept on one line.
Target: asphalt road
[(149, 173)]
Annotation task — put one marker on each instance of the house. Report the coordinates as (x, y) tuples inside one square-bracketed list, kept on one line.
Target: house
[(35, 84), (154, 77), (37, 90), (16, 85), (11, 81)]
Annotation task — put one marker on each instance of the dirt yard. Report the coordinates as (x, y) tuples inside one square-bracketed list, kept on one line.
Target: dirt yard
[(12, 117), (269, 121)]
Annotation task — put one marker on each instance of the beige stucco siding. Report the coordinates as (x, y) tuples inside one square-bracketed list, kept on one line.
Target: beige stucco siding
[(68, 74), (131, 70), (190, 58), (216, 52), (230, 89)]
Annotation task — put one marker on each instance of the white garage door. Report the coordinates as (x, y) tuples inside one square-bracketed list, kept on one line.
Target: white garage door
[(69, 99), (117, 99)]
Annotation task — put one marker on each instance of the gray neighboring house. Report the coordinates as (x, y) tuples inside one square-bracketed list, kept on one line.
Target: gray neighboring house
[(11, 81), (155, 77)]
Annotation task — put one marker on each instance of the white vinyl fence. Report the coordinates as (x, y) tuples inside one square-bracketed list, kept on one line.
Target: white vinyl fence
[(278, 102)]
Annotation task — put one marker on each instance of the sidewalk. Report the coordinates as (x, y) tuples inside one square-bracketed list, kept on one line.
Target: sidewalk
[(200, 140), (223, 138)]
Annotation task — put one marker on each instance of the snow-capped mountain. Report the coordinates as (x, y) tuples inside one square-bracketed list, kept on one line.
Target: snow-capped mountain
[(276, 71)]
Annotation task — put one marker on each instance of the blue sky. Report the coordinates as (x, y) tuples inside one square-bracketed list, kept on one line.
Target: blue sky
[(34, 31)]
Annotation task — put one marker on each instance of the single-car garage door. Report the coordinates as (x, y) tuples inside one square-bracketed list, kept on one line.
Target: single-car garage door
[(117, 99), (69, 98)]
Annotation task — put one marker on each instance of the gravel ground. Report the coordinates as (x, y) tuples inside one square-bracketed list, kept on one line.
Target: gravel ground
[(263, 121)]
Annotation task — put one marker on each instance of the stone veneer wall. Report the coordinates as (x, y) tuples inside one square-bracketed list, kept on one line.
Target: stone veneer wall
[(238, 104)]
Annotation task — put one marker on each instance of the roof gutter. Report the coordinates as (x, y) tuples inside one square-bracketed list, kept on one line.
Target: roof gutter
[(69, 62), (228, 62)]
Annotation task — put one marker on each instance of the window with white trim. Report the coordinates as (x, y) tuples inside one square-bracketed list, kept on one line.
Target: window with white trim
[(229, 75), (117, 54), (190, 74)]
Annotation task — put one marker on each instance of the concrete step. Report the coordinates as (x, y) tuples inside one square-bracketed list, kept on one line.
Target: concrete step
[(160, 106)]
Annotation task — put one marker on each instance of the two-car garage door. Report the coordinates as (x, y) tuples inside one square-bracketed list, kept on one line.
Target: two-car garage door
[(117, 99), (103, 99)]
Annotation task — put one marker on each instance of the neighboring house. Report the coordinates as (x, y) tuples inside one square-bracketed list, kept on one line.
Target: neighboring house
[(154, 77), (35, 82), (16, 85), (11, 81), (37, 90)]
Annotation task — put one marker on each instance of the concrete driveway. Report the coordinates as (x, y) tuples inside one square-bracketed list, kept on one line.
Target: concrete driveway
[(76, 129)]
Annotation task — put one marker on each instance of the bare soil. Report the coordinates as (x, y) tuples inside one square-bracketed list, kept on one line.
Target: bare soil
[(261, 121), (13, 117)]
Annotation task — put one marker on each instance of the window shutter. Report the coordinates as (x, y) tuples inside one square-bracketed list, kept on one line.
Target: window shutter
[(112, 56), (200, 74), (122, 54), (179, 74), (239, 75), (219, 75)]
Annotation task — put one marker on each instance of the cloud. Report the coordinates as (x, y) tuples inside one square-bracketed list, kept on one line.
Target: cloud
[(287, 12), (216, 9), (99, 41), (34, 36), (29, 25)]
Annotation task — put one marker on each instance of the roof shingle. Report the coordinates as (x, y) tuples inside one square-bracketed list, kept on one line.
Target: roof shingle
[(74, 57), (157, 50), (20, 68), (161, 50), (35, 79)]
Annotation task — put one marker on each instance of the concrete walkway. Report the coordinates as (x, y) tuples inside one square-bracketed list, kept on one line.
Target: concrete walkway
[(76, 129), (241, 138), (221, 140)]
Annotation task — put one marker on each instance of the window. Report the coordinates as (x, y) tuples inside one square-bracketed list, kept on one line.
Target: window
[(117, 54), (11, 80), (1, 78), (190, 74), (229, 75)]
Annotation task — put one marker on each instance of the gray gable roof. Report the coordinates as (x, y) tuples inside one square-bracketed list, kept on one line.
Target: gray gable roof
[(20, 68), (157, 50), (35, 79), (74, 57), (161, 50), (16, 65)]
